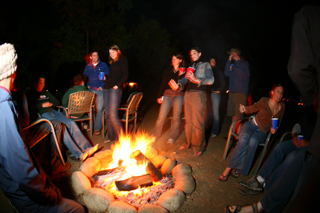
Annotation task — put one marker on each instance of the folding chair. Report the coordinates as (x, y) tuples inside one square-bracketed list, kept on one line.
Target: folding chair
[(80, 102), (131, 110), (236, 136)]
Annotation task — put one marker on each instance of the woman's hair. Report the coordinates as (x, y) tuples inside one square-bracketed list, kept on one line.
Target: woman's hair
[(78, 79), (196, 49), (116, 48), (180, 57), (274, 86)]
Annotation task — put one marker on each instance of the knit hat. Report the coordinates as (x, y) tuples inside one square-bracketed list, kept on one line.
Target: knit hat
[(235, 50), (8, 57)]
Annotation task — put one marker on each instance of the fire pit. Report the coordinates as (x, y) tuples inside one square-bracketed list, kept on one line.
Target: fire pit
[(132, 177)]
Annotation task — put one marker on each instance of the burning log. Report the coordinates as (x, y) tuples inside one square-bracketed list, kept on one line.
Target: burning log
[(106, 177), (151, 169), (134, 183)]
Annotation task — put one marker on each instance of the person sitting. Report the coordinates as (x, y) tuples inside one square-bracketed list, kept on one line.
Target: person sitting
[(254, 131), (43, 102), (23, 180), (78, 82), (283, 154)]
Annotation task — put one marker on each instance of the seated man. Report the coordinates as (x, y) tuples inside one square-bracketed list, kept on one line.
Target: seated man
[(48, 152), (283, 154), (22, 178), (43, 102), (78, 81)]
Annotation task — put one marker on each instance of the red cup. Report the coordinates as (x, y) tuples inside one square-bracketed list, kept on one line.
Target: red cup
[(182, 70), (190, 69)]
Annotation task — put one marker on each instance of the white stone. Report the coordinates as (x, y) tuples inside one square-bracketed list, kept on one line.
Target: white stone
[(80, 182), (91, 166), (167, 166), (151, 208), (121, 207), (181, 169), (105, 158), (185, 183), (172, 199), (97, 200), (151, 152), (158, 160)]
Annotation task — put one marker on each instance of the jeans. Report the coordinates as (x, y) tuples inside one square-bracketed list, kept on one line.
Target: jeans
[(98, 109), (176, 102), (112, 100), (194, 106), (279, 193), (242, 156), (37, 132), (281, 157), (215, 98), (72, 135)]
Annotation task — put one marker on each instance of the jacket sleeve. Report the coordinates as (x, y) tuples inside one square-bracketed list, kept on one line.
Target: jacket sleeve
[(255, 107), (106, 69), (209, 79), (18, 162), (125, 72), (227, 68), (162, 85)]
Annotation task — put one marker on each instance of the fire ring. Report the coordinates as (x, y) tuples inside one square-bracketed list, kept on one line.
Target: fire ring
[(98, 199)]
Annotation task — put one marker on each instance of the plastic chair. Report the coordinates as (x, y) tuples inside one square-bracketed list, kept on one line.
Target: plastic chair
[(80, 102), (24, 119), (131, 109), (236, 136)]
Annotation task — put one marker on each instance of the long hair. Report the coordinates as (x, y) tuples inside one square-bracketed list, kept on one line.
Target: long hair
[(180, 57), (274, 86), (199, 51), (116, 48)]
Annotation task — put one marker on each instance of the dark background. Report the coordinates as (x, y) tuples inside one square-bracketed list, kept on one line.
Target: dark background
[(54, 36)]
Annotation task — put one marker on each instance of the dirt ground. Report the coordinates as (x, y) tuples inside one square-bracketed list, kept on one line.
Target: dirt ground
[(211, 195)]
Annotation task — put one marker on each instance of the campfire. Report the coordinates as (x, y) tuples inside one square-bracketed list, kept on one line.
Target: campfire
[(131, 176)]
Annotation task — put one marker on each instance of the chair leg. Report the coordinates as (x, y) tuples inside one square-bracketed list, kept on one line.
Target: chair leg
[(56, 142), (135, 122), (228, 143), (260, 160), (102, 129)]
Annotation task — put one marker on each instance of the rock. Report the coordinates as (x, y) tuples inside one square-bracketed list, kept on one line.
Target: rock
[(151, 152), (172, 199), (158, 160), (80, 182), (185, 183), (97, 200), (181, 169), (121, 207), (105, 158), (167, 166), (151, 208), (91, 166)]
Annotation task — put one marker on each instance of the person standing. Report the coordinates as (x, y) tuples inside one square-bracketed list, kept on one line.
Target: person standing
[(238, 71), (113, 91), (195, 100), (23, 180), (215, 90), (170, 98), (96, 85)]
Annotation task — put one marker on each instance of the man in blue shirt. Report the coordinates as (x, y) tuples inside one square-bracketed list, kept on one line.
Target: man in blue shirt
[(96, 85), (238, 72)]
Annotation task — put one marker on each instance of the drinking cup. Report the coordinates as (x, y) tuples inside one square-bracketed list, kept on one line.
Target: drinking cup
[(274, 123), (101, 76)]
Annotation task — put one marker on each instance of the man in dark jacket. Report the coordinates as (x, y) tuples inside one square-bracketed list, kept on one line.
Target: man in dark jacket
[(22, 178)]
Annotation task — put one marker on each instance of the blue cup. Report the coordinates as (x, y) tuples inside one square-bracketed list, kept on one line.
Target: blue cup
[(101, 76), (299, 138), (274, 122)]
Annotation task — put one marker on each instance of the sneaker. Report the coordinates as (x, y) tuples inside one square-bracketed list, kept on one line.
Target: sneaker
[(170, 140), (61, 168), (213, 135), (253, 184), (247, 192)]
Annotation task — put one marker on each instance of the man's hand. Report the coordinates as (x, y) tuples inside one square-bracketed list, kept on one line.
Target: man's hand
[(272, 130), (115, 87), (46, 104), (230, 56), (302, 143), (242, 108)]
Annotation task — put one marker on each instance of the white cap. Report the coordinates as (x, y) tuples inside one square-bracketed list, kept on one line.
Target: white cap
[(8, 57)]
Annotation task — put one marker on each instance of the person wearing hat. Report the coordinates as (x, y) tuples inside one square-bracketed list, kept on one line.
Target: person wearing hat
[(23, 180), (238, 72)]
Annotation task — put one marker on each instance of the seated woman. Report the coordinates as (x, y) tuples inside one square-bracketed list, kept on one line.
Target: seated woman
[(78, 82), (170, 98), (43, 102), (254, 131)]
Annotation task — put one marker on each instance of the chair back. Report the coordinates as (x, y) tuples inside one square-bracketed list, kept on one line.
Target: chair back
[(80, 102), (134, 101)]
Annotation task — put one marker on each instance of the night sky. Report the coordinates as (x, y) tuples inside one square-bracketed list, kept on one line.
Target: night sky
[(261, 29)]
